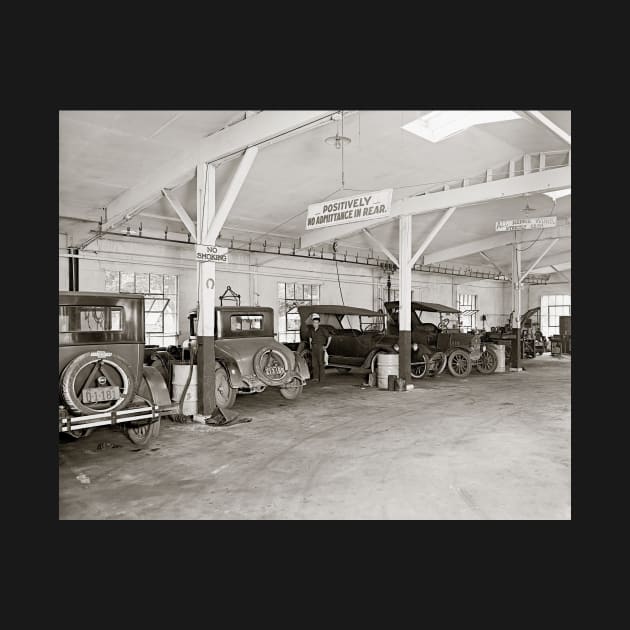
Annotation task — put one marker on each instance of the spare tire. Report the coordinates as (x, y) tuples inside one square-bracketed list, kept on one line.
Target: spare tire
[(271, 366), (89, 371)]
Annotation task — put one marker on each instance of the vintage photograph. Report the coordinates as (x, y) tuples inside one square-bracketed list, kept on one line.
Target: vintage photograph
[(314, 315)]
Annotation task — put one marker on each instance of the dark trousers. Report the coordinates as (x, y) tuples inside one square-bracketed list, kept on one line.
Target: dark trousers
[(317, 357)]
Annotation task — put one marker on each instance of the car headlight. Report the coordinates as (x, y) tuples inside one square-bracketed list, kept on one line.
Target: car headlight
[(396, 347), (483, 348), (414, 347)]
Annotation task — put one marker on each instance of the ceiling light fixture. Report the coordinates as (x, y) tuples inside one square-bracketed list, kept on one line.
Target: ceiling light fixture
[(439, 125), (338, 140)]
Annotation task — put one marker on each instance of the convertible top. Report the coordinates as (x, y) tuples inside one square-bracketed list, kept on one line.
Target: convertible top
[(429, 307), (331, 309)]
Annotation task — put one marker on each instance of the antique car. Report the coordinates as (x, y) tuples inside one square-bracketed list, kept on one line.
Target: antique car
[(102, 379), (358, 336), (247, 357), (461, 351), (533, 342)]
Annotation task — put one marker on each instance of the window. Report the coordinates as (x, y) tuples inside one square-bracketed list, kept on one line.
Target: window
[(467, 304), (240, 323), (160, 302), (290, 296), (89, 318), (551, 308)]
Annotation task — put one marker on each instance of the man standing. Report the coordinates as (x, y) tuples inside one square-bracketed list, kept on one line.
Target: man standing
[(319, 340)]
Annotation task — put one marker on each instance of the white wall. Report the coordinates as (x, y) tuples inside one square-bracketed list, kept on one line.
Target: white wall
[(255, 277)]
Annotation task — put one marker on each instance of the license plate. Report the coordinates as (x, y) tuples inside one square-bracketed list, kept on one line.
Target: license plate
[(275, 370), (100, 394)]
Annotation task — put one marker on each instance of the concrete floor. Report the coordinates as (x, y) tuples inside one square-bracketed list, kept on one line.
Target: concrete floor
[(485, 447)]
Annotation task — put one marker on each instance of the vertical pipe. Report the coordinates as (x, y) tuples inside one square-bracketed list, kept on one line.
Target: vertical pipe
[(70, 270), (75, 262)]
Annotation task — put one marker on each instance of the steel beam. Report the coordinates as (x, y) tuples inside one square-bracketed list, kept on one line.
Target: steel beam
[(181, 213), (381, 247), (432, 234), (545, 181)]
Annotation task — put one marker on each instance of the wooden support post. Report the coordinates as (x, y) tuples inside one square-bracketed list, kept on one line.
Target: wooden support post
[(516, 304), (206, 297), (404, 317)]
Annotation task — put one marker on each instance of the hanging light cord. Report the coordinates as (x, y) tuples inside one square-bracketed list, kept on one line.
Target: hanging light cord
[(343, 183)]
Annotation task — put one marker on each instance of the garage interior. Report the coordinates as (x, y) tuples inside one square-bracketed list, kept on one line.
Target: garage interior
[(140, 192)]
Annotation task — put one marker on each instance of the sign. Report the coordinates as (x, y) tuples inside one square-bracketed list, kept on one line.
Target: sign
[(508, 225), (363, 207), (210, 253)]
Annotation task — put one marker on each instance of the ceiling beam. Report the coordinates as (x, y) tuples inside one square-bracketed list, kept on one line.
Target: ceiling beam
[(540, 118), (432, 234), (556, 259), (181, 213), (533, 265), (236, 183), (487, 259), (381, 247), (545, 181), (498, 240), (228, 142)]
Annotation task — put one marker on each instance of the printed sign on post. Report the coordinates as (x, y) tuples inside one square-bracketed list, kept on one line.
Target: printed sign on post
[(210, 253), (374, 205), (508, 225)]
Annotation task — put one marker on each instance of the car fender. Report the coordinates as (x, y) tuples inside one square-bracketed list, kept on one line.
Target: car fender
[(156, 384), (231, 367), (301, 367)]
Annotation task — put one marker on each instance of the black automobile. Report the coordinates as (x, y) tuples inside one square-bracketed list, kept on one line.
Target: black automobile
[(102, 379), (460, 351), (358, 336)]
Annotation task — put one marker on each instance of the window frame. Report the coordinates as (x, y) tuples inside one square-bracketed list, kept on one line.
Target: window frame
[(288, 306)]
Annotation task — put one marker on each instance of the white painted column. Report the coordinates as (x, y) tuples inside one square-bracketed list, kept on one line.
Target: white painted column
[(516, 301), (206, 276), (404, 316)]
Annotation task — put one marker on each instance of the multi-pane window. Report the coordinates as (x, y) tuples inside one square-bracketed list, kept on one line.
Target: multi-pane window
[(290, 296), (160, 302), (551, 308), (467, 304)]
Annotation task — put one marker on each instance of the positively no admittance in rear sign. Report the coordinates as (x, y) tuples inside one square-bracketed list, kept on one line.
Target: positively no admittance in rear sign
[(374, 205)]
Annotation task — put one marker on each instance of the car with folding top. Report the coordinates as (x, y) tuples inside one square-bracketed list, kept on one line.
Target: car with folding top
[(102, 377), (358, 337), (461, 351)]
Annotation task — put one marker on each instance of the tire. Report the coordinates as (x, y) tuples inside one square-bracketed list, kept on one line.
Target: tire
[(441, 366), (293, 390), (224, 394), (420, 371), (459, 363), (263, 358), (488, 362), (82, 372), (79, 433), (144, 435)]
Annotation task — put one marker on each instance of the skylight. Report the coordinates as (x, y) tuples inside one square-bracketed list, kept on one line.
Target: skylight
[(438, 125), (556, 194)]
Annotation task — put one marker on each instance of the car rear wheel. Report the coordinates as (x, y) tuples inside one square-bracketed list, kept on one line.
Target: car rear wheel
[(488, 362), (459, 363), (112, 374), (292, 390), (224, 395), (420, 369)]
